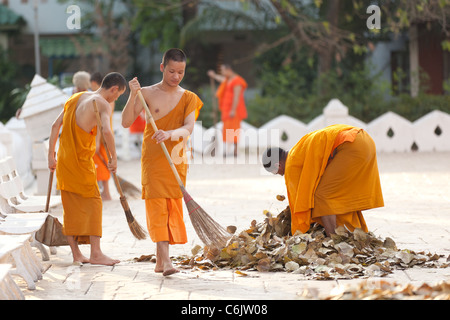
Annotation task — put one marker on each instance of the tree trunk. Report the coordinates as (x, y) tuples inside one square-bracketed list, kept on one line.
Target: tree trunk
[(326, 55), (414, 60)]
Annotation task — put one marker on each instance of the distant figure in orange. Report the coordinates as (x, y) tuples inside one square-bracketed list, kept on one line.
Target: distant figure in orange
[(231, 103)]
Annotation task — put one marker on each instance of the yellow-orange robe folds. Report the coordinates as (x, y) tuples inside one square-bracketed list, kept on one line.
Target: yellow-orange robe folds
[(76, 177), (162, 194), (332, 171)]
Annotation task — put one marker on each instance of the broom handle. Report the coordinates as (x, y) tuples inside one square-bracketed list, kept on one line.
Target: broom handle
[(163, 146), (99, 128), (214, 101), (49, 190)]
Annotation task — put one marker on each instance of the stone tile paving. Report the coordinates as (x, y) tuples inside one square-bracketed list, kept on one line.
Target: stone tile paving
[(416, 215)]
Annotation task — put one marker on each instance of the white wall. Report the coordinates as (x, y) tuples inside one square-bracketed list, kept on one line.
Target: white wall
[(391, 132)]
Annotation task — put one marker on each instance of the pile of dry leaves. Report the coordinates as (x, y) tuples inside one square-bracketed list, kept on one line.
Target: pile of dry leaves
[(269, 246), (384, 290)]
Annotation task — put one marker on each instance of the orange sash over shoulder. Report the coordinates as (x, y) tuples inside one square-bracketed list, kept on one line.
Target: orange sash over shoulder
[(158, 180), (75, 169)]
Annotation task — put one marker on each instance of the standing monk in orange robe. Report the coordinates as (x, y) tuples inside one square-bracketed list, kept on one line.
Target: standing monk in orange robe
[(174, 110), (231, 103), (331, 176), (75, 168)]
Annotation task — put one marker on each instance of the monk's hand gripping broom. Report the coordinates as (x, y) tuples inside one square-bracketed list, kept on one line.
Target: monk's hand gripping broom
[(208, 230), (135, 228)]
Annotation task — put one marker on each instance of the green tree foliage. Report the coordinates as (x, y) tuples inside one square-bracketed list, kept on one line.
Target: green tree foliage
[(159, 20), (8, 103)]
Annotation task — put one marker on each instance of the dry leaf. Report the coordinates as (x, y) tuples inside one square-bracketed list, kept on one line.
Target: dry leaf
[(389, 243), (196, 250), (263, 265), (291, 266), (231, 229), (345, 249), (405, 256)]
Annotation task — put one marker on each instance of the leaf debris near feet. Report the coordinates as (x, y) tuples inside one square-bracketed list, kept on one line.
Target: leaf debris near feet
[(268, 246)]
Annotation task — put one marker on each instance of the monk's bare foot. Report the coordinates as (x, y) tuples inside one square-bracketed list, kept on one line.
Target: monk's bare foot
[(169, 272), (106, 197), (80, 259), (103, 260), (166, 268)]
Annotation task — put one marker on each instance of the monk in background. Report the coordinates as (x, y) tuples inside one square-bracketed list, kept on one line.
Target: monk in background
[(331, 176), (75, 167), (230, 95), (174, 110)]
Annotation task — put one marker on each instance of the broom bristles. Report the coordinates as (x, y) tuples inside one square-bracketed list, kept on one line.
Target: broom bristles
[(208, 230), (135, 228)]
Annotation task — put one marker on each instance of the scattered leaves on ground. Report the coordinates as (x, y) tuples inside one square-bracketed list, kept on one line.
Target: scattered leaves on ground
[(268, 246), (385, 290)]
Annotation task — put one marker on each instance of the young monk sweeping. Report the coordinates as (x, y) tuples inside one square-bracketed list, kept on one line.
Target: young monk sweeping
[(174, 110), (75, 167), (331, 176)]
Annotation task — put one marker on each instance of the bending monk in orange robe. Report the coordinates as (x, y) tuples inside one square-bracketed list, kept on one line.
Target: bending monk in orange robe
[(331, 176), (231, 103), (75, 168), (174, 110)]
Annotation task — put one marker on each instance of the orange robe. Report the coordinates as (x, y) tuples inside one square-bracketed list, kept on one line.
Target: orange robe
[(76, 177), (103, 173), (138, 126), (225, 95), (162, 194), (332, 171)]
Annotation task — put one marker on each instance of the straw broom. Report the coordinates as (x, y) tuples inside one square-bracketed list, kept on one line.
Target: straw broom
[(128, 188), (135, 228), (209, 231)]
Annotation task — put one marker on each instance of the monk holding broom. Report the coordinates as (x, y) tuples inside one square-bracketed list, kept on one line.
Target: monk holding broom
[(331, 176), (75, 168), (174, 110)]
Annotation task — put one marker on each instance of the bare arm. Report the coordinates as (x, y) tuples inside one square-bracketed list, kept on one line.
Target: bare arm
[(215, 76), (105, 118), (56, 126), (174, 135), (133, 106)]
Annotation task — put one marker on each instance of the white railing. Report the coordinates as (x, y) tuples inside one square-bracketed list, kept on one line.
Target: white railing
[(391, 132)]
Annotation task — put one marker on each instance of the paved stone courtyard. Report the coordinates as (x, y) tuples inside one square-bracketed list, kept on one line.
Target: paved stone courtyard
[(416, 189)]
